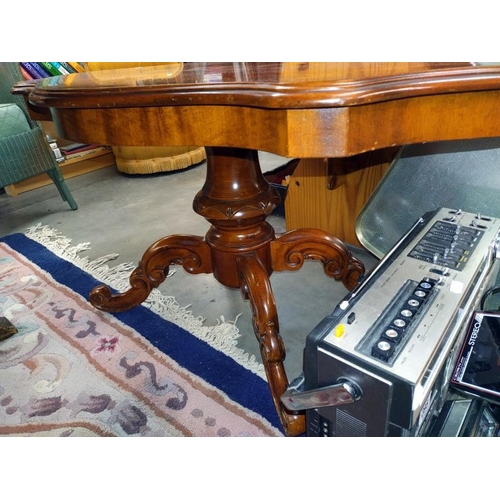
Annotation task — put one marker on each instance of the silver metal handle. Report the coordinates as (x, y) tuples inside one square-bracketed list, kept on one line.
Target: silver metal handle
[(345, 391)]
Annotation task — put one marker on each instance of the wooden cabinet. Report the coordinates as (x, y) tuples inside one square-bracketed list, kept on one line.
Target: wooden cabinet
[(329, 194)]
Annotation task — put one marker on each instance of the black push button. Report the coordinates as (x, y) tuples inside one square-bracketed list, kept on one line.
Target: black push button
[(383, 349)]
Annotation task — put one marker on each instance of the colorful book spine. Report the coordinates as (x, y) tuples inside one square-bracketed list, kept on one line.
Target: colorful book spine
[(31, 70), (51, 69), (77, 66), (40, 69), (26, 69), (25, 74), (67, 66), (62, 70)]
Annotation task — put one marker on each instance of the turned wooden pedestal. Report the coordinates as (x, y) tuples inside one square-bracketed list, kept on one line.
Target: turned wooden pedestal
[(242, 251)]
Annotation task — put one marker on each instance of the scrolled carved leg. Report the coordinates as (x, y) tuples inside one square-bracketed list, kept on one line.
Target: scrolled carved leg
[(291, 249), (192, 252), (256, 287)]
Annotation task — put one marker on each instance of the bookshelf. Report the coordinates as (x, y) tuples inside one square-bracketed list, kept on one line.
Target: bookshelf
[(70, 167)]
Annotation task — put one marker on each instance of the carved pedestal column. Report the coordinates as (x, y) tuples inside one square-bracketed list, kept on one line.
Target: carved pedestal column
[(241, 250)]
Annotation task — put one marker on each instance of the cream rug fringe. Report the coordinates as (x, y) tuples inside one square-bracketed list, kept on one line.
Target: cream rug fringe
[(222, 336)]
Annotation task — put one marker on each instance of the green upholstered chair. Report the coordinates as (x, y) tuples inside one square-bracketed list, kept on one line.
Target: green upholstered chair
[(24, 149)]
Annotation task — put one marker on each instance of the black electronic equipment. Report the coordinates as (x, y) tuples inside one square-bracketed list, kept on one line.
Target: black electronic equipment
[(477, 370), (473, 417), (381, 363)]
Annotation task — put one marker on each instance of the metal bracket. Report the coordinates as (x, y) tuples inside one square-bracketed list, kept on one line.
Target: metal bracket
[(343, 392)]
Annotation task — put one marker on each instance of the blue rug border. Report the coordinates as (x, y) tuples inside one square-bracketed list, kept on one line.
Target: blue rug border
[(223, 372)]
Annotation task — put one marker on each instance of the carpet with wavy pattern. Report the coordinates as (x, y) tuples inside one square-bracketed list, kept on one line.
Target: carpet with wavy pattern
[(156, 370)]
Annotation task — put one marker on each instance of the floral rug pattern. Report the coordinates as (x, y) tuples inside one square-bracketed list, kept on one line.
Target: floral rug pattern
[(72, 370)]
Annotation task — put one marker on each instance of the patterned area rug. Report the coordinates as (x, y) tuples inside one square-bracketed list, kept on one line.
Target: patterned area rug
[(156, 370)]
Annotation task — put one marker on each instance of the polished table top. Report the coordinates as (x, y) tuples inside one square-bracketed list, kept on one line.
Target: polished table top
[(292, 109)]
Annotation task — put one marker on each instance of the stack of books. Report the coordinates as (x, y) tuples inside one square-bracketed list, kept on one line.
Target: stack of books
[(79, 150), (36, 70)]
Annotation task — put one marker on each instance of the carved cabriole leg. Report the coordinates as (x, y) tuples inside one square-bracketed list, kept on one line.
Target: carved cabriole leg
[(191, 252), (256, 287), (242, 251), (291, 249)]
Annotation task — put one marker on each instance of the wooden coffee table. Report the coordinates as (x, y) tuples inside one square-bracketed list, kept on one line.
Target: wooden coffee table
[(297, 110)]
